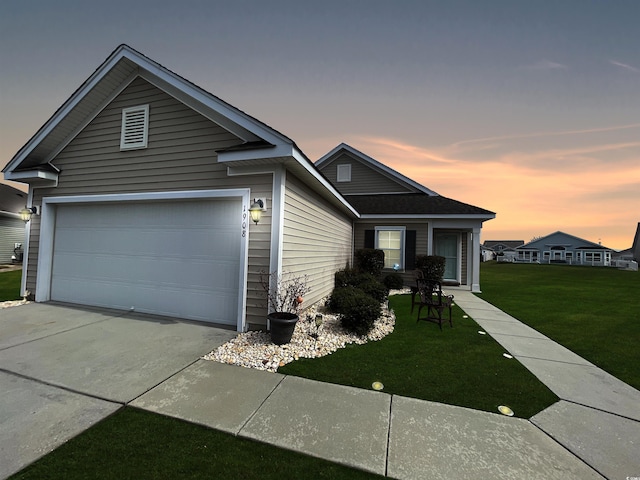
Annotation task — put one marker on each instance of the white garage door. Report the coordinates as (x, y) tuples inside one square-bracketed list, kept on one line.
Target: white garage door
[(178, 258)]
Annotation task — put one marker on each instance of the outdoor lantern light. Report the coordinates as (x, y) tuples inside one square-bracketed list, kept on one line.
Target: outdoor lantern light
[(27, 212), (256, 210)]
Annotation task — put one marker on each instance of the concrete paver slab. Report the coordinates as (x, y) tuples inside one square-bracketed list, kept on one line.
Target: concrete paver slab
[(542, 348), (610, 444), (437, 441), (35, 320), (210, 393), (116, 359), (36, 418), (342, 424), (508, 328), (586, 385)]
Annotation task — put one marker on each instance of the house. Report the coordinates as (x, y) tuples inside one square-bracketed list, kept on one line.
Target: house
[(142, 184), (12, 228), (560, 247), (504, 250), (405, 219), (630, 257)]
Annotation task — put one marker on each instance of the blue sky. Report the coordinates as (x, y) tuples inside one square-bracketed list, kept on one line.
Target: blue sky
[(527, 108)]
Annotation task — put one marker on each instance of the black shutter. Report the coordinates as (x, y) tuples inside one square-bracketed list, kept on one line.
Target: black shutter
[(410, 250), (369, 239)]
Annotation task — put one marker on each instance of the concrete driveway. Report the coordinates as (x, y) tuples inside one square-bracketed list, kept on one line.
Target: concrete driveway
[(62, 369)]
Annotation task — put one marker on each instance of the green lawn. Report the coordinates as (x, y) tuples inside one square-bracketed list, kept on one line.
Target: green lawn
[(10, 285), (135, 444), (457, 366), (593, 311)]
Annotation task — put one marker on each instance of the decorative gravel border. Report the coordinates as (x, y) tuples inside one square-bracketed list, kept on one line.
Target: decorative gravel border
[(254, 349)]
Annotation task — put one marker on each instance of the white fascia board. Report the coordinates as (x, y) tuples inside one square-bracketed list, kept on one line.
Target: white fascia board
[(28, 176), (69, 105), (299, 156), (376, 163)]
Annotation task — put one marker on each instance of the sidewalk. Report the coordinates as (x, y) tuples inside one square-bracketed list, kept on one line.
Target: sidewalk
[(594, 430)]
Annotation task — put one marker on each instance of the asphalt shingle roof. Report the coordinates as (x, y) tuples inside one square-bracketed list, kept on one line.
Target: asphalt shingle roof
[(412, 204)]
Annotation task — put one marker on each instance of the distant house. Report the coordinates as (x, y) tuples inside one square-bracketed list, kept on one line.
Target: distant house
[(561, 247), (503, 250), (12, 228), (630, 257)]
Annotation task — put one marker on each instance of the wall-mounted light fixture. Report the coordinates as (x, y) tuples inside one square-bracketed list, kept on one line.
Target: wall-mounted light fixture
[(27, 212), (256, 210)]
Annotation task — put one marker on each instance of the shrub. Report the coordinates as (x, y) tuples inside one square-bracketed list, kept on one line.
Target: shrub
[(432, 266), (346, 276), (369, 260), (342, 297), (374, 289), (393, 281), (359, 313)]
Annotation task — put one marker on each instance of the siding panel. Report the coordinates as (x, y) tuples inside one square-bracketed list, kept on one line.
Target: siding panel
[(364, 178), (317, 239)]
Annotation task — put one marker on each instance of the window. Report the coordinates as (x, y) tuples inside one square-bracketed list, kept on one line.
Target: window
[(135, 126), (391, 241), (344, 173)]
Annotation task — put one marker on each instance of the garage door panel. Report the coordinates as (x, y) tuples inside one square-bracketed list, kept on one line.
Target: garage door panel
[(179, 259)]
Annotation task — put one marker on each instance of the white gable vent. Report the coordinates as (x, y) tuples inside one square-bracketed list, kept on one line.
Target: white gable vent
[(344, 173), (135, 126)]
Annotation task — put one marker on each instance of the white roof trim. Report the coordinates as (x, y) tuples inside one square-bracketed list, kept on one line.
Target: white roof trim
[(374, 162), (245, 126)]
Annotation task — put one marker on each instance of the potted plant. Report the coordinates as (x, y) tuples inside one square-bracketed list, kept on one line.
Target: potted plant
[(285, 294)]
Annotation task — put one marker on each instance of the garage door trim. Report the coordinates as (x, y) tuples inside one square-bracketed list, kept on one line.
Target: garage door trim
[(47, 230)]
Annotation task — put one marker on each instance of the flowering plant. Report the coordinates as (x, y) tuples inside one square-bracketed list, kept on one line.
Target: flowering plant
[(285, 292)]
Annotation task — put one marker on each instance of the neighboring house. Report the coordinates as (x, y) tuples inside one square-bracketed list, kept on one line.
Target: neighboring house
[(505, 250), (560, 247), (630, 257), (486, 254), (12, 228), (406, 219), (635, 248), (143, 181)]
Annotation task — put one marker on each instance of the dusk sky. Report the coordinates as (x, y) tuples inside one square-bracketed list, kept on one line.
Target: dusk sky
[(530, 109)]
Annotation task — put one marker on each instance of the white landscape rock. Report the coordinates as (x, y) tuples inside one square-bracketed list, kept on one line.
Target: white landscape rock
[(255, 350)]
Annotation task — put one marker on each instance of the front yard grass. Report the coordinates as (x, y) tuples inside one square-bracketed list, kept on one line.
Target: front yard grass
[(135, 444), (10, 285), (593, 311), (457, 366)]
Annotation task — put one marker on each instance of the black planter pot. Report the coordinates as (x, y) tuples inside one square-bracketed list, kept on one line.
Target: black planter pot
[(282, 326)]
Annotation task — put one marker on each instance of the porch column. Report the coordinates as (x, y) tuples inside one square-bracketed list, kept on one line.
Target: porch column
[(430, 238), (475, 261)]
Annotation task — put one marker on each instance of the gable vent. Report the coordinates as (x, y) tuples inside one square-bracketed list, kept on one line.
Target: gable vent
[(135, 126)]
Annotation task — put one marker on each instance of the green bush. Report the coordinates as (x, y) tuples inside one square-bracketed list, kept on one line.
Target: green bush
[(369, 260), (374, 289), (359, 313), (346, 276), (393, 281), (342, 297), (432, 266)]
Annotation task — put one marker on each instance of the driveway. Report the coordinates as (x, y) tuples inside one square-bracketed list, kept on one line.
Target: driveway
[(62, 369)]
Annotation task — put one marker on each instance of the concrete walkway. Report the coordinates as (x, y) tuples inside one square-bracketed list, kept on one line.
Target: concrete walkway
[(593, 432)]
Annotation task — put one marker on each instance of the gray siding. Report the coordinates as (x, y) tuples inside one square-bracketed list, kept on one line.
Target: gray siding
[(11, 232), (181, 155), (364, 178), (317, 239)]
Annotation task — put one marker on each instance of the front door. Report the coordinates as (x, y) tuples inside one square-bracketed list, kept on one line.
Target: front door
[(447, 247)]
